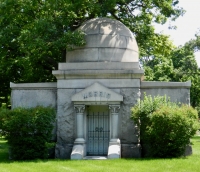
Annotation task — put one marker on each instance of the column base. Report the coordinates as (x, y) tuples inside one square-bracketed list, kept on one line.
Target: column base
[(79, 149), (114, 149)]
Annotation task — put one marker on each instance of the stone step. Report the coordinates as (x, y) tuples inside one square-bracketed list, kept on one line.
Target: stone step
[(95, 157)]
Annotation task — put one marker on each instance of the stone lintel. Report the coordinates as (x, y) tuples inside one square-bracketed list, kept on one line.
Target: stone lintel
[(33, 86), (99, 66), (157, 84)]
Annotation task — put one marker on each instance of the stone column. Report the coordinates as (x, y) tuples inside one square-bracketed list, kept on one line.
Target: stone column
[(114, 120), (114, 150), (79, 123), (79, 148)]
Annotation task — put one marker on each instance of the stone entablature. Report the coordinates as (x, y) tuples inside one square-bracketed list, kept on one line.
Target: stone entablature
[(109, 70)]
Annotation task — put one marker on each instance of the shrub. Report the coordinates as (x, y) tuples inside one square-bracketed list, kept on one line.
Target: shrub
[(28, 131), (165, 127)]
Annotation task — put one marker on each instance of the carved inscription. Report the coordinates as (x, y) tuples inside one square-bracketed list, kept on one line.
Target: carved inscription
[(96, 94)]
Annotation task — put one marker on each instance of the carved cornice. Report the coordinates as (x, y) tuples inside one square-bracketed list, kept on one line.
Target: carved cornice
[(114, 108), (79, 108)]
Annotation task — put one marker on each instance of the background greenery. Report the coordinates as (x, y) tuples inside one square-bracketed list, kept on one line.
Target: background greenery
[(28, 131), (165, 127)]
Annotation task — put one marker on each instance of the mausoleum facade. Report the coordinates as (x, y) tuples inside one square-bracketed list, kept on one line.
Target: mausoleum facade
[(95, 90)]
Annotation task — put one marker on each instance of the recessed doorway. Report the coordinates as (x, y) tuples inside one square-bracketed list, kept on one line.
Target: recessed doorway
[(98, 130)]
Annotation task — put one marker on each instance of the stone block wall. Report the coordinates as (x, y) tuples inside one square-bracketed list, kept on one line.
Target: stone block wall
[(178, 92), (33, 94)]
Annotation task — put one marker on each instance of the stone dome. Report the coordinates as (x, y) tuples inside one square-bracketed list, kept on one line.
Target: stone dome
[(107, 40)]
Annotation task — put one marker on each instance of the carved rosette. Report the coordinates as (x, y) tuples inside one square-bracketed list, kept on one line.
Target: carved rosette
[(114, 108), (79, 108)]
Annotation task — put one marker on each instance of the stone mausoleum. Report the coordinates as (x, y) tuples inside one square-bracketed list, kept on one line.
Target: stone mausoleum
[(95, 90)]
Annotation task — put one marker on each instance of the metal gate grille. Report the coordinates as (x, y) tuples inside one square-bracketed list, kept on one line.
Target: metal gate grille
[(98, 130)]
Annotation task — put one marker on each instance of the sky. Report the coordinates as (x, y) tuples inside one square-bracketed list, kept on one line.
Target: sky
[(187, 25)]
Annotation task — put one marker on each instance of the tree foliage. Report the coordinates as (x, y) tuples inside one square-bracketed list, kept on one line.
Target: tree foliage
[(177, 65)]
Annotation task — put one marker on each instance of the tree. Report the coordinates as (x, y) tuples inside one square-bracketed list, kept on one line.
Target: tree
[(34, 34), (178, 65)]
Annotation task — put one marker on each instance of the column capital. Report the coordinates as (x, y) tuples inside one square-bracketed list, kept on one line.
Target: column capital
[(79, 108), (114, 108)]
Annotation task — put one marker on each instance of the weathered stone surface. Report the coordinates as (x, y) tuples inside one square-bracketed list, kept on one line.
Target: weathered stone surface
[(115, 55), (63, 151), (83, 55), (188, 150), (32, 98), (110, 83), (65, 124), (128, 132), (99, 66), (65, 117), (178, 95), (130, 151), (177, 91)]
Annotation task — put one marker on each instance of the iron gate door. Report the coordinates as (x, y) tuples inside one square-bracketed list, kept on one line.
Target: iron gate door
[(98, 130)]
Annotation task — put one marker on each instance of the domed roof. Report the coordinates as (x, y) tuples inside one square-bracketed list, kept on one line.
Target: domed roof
[(106, 40)]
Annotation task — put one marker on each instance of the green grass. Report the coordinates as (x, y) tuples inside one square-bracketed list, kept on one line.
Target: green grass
[(187, 164)]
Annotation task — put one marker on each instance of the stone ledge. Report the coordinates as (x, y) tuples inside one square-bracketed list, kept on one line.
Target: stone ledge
[(110, 83), (98, 74), (99, 65), (50, 85), (158, 84)]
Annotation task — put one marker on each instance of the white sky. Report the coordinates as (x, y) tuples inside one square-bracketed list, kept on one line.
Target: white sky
[(187, 25)]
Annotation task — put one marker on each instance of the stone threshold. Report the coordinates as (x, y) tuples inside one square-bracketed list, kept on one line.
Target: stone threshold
[(95, 157)]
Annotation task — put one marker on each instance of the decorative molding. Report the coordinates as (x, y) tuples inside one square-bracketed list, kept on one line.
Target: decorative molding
[(79, 108), (114, 108)]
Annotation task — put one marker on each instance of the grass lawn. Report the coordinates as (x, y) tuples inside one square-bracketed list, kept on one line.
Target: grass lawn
[(187, 164)]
